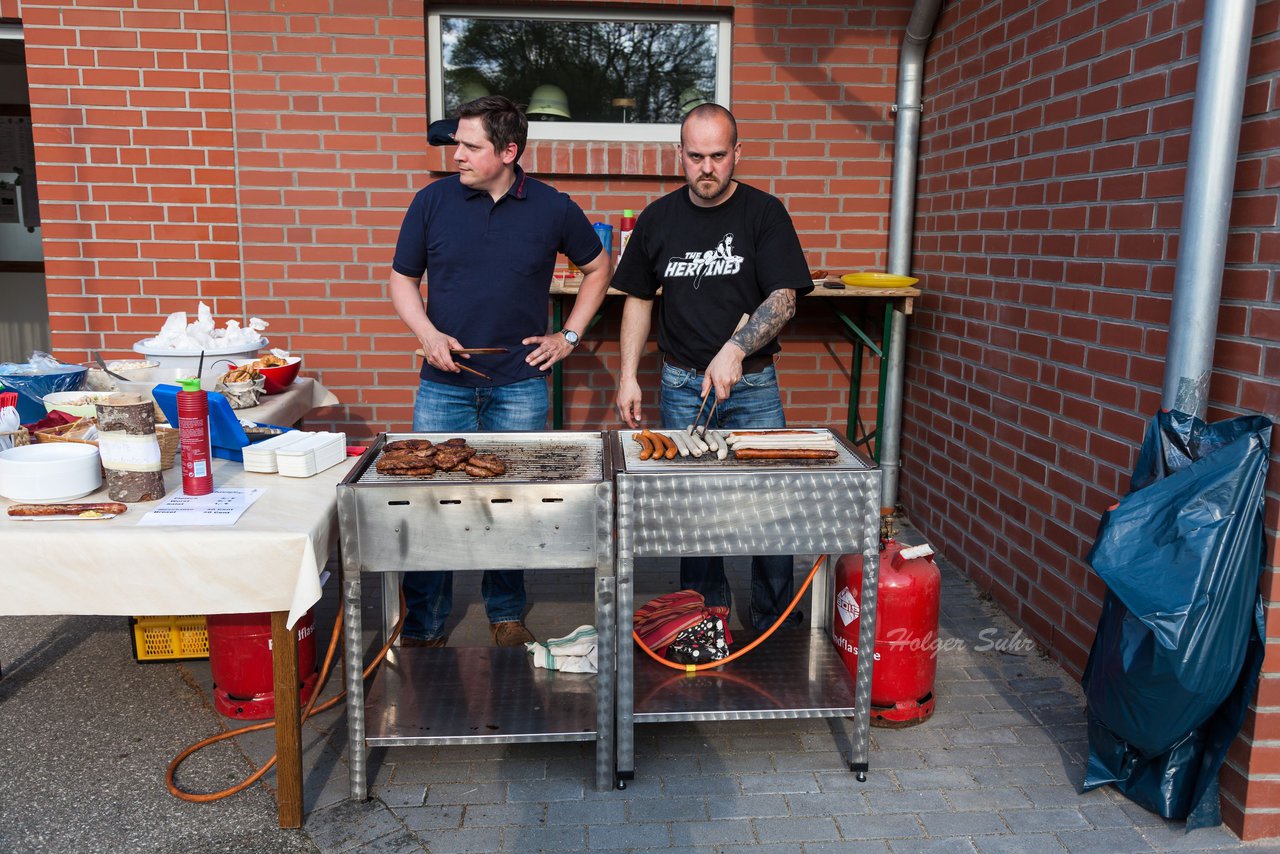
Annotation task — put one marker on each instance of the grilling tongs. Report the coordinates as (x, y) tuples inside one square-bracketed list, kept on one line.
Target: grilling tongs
[(702, 428)]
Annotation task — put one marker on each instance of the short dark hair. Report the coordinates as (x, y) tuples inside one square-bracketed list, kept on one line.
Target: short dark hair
[(707, 111), (503, 121)]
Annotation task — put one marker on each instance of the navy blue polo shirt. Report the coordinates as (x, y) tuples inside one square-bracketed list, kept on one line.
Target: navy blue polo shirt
[(488, 267)]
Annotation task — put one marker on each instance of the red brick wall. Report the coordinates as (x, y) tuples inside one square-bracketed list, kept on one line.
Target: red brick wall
[(1053, 159), (260, 158)]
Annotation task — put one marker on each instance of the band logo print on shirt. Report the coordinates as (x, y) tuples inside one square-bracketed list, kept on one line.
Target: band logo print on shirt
[(716, 262)]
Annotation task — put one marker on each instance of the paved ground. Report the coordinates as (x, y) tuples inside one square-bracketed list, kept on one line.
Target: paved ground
[(86, 733)]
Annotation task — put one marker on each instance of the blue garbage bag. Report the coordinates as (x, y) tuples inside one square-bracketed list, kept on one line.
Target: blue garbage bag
[(1179, 645)]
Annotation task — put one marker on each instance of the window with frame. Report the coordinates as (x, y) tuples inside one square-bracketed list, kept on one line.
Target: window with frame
[(583, 74)]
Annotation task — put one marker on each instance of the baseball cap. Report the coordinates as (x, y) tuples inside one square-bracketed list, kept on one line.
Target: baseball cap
[(441, 132)]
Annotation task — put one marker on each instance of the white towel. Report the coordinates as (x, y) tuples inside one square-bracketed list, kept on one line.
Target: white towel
[(573, 653)]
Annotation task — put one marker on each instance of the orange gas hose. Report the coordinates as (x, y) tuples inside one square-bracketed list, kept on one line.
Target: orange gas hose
[(310, 710), (694, 668)]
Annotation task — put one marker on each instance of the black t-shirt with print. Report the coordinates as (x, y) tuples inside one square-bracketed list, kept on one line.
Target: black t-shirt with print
[(713, 265)]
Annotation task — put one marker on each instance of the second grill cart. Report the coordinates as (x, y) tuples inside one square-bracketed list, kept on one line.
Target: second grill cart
[(551, 510), (706, 506)]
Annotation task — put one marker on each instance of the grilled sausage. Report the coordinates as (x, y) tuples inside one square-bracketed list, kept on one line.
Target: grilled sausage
[(66, 509), (646, 444), (784, 454), (672, 447)]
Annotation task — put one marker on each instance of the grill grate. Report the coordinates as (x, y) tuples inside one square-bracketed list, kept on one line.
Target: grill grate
[(530, 458)]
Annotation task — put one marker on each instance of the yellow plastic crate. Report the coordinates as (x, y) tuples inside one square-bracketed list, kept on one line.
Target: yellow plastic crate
[(183, 638)]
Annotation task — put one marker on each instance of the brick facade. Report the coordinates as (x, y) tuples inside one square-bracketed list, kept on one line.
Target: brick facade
[(1053, 157), (259, 156)]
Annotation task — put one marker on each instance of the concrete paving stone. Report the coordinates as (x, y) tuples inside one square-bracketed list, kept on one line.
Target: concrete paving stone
[(778, 784), (765, 743), (1023, 843), (965, 702), (884, 803), (797, 830), (587, 812), (760, 848), (608, 836), (349, 825), (963, 824), (1105, 815), (934, 778), (1035, 684), (974, 686), (995, 776), (400, 796), (1062, 796), (719, 832), (476, 840), (846, 846), (1066, 714), (1121, 840), (1041, 820), (1006, 702), (986, 798), (666, 809), (1139, 816), (737, 763), (427, 819), (894, 760), (826, 804), (1003, 717), (988, 736), (1022, 754), (1048, 700), (544, 840), (901, 826), (1173, 836), (922, 737), (466, 793), (519, 770), (957, 845), (747, 806), (545, 790), (403, 842), (403, 774), (878, 780), (701, 786), (502, 815), (967, 757), (642, 786), (813, 761)]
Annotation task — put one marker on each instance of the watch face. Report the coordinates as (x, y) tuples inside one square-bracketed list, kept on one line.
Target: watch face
[(570, 336)]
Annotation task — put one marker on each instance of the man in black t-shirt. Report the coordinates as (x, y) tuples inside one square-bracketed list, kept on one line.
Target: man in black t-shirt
[(720, 250)]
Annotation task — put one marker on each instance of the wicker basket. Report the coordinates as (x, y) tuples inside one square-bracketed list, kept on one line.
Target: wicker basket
[(165, 435), (20, 436)]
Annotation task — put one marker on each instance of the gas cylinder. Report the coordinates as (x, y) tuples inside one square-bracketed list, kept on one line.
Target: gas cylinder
[(906, 648), (241, 665)]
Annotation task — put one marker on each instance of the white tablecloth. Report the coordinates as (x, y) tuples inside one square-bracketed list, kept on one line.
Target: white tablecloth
[(270, 560), (290, 405)]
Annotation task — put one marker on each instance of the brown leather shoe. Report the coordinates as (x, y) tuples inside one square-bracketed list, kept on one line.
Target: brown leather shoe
[(425, 643), (510, 633)]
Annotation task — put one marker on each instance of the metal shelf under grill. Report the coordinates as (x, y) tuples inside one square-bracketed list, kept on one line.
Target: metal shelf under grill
[(472, 695)]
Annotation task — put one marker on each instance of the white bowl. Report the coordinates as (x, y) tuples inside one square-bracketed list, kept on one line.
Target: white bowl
[(190, 359), (67, 401), (98, 380), (49, 472)]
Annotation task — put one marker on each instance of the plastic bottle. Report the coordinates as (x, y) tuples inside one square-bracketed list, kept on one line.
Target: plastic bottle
[(624, 233), (193, 436), (605, 232)]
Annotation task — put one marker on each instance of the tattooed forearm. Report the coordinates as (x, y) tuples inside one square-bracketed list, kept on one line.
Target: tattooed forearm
[(767, 322)]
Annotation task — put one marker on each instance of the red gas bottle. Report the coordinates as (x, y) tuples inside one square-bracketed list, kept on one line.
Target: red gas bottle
[(240, 662), (906, 648)]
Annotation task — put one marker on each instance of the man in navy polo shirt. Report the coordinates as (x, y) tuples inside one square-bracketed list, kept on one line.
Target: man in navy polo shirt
[(473, 268)]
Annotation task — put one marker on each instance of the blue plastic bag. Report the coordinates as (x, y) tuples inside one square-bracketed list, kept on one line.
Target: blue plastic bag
[(42, 375), (1180, 641)]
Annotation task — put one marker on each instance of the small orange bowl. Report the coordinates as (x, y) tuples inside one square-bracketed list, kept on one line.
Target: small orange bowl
[(279, 378)]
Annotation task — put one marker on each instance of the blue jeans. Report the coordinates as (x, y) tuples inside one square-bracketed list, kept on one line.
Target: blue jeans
[(754, 404), (443, 408)]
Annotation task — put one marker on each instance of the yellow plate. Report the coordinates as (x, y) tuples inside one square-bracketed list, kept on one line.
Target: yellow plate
[(877, 280)]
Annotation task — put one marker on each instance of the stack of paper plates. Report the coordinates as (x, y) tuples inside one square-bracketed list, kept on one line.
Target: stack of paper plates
[(315, 453), (261, 456)]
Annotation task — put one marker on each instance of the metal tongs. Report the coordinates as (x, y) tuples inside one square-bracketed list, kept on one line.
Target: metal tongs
[(701, 428)]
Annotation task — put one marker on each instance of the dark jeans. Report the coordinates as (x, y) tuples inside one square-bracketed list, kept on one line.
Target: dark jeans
[(443, 408), (754, 404)]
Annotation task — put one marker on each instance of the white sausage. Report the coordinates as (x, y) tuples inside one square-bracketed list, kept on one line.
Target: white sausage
[(682, 442)]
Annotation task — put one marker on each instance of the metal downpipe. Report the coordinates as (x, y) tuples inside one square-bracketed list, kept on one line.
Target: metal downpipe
[(902, 205), (1206, 207)]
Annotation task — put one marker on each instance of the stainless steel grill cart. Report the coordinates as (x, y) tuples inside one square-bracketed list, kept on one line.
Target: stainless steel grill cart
[(553, 509), (687, 507)]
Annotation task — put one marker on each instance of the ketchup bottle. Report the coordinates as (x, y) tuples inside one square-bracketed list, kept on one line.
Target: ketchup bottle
[(193, 435), (624, 233)]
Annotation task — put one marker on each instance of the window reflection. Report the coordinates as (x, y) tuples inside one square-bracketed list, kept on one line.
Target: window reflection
[(635, 72)]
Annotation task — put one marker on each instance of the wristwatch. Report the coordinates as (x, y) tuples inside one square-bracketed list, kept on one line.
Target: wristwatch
[(572, 337)]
